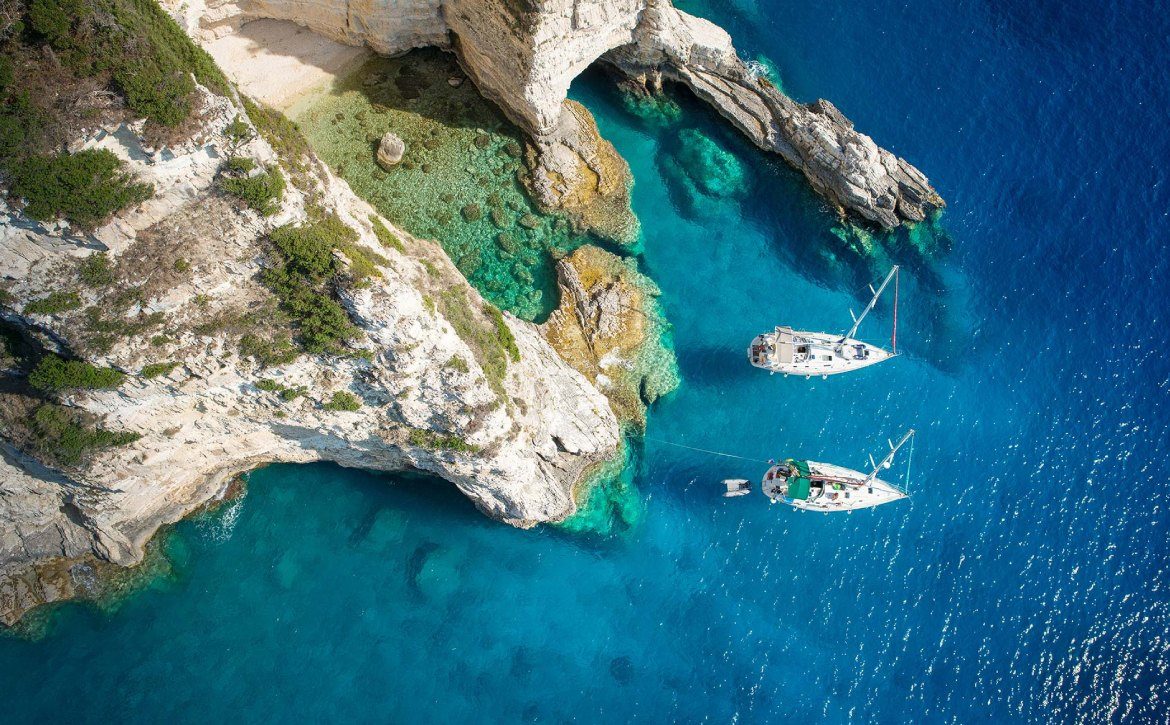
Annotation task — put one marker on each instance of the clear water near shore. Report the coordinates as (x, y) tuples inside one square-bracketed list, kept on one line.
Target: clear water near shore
[(1024, 580), (458, 181)]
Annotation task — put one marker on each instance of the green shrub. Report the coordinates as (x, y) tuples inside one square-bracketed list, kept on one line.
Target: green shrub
[(269, 385), (281, 134), (62, 434), (386, 237), (96, 271), (53, 304), (440, 441), (238, 131), (85, 188), (268, 352), (503, 332), (239, 165), (289, 394), (55, 373), (154, 370), (304, 275), (182, 265), (457, 364), (343, 400), (105, 331), (149, 58), (261, 192)]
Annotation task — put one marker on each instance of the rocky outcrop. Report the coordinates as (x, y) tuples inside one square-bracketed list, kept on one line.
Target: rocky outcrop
[(524, 55), (576, 171), (515, 440), (856, 176), (610, 328)]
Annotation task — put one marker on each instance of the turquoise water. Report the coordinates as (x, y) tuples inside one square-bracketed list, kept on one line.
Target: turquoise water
[(1024, 580)]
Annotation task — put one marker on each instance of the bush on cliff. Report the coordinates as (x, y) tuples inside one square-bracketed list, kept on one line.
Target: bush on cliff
[(85, 188), (261, 192), (134, 43), (53, 373), (342, 401), (304, 275), (59, 62), (67, 436)]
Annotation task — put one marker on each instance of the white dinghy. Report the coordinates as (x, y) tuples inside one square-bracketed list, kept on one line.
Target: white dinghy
[(794, 352), (813, 486), (736, 487)]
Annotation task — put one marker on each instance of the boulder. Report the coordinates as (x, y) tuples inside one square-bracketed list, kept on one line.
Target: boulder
[(390, 150)]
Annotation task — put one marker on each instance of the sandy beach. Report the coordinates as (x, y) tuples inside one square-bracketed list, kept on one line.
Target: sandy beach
[(280, 63)]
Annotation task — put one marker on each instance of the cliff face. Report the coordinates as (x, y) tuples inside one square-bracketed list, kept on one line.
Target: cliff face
[(433, 394), (523, 54)]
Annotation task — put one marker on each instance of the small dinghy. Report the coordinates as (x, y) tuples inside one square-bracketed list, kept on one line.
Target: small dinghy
[(813, 486), (737, 487), (795, 352)]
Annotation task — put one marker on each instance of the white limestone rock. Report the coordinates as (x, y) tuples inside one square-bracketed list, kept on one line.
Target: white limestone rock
[(390, 150), (529, 438)]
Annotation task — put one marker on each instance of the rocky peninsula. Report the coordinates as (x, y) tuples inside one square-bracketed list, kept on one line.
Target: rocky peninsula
[(232, 302)]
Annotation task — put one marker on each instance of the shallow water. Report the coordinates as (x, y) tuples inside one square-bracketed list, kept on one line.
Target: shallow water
[(1026, 577)]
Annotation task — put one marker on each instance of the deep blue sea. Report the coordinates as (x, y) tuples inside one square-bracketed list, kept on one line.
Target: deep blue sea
[(1026, 579)]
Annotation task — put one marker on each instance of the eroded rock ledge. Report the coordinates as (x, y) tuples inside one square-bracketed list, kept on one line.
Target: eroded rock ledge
[(852, 172), (524, 55)]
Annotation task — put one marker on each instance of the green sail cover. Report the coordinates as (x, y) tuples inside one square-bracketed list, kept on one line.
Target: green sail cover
[(799, 484), (798, 488)]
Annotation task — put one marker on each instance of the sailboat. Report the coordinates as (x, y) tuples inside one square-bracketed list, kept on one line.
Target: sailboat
[(813, 486), (793, 352)]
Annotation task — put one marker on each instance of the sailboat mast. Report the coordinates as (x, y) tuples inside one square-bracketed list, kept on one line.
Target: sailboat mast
[(889, 456), (894, 333), (877, 293)]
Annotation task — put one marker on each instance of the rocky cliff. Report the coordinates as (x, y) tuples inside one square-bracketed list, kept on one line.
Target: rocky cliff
[(525, 54), (435, 381)]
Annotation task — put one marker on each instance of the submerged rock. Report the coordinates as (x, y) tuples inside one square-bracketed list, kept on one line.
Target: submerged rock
[(391, 149), (701, 175)]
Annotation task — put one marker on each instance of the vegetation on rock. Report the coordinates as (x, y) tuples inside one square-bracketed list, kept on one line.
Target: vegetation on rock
[(67, 436), (155, 370), (95, 271), (440, 441), (85, 187), (59, 62), (342, 401), (262, 192), (55, 373), (306, 273), (490, 340), (53, 303)]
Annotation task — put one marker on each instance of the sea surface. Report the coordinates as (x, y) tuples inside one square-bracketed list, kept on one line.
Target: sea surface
[(1024, 580)]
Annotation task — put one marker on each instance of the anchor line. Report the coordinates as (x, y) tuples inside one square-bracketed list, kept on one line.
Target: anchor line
[(894, 335), (704, 450)]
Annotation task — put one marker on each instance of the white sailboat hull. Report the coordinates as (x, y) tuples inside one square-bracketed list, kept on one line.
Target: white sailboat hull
[(839, 489), (812, 353)]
